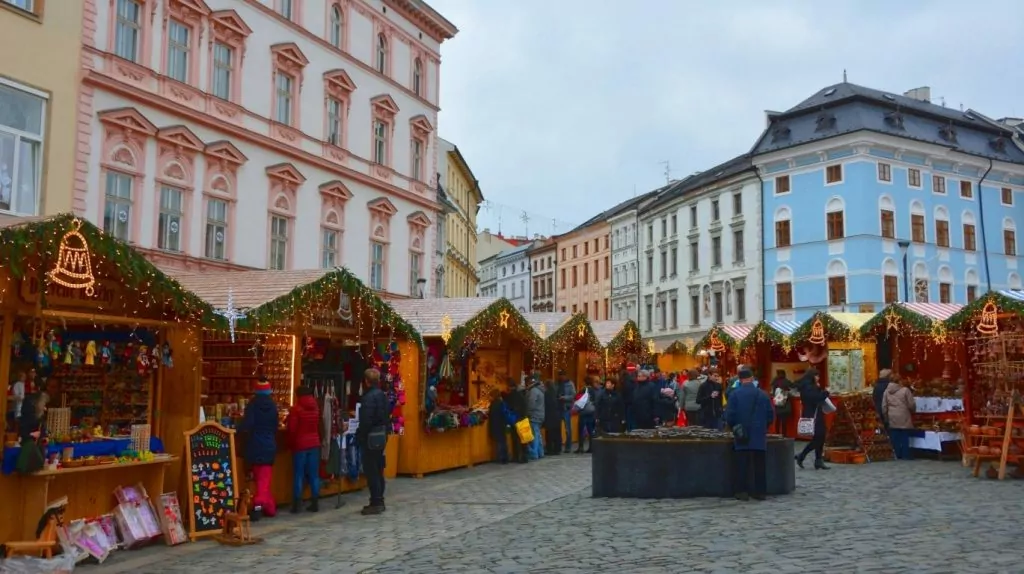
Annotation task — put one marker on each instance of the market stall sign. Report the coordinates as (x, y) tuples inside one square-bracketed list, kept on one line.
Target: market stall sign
[(103, 296), (210, 465)]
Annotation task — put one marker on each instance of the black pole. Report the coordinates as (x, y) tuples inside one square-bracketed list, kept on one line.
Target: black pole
[(906, 279)]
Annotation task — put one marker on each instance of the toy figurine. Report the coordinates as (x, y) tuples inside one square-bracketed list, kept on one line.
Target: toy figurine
[(154, 357), (54, 346), (76, 353), (90, 353), (106, 355), (128, 354), (17, 340), (68, 355), (142, 360), (43, 356), (168, 359)]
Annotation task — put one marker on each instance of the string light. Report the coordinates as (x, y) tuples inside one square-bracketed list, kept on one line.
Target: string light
[(543, 330), (817, 333), (446, 328), (988, 325), (504, 315), (74, 266)]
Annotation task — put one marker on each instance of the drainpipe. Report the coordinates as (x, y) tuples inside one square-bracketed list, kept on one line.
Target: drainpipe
[(981, 220), (764, 260), (636, 244)]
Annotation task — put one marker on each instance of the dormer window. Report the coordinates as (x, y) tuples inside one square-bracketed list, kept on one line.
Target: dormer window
[(780, 134), (894, 120), (998, 144), (825, 121), (948, 133)]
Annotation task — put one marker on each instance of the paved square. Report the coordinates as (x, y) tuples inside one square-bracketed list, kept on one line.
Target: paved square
[(920, 517)]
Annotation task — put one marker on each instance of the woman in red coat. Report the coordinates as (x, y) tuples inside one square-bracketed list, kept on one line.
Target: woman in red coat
[(304, 440)]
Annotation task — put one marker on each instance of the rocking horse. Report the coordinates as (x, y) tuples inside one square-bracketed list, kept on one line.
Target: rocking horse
[(237, 524), (46, 537)]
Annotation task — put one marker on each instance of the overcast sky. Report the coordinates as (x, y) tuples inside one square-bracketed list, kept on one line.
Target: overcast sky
[(562, 107)]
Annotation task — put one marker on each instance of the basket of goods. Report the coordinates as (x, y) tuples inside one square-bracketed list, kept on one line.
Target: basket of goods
[(990, 431), (73, 463), (974, 430), (91, 461)]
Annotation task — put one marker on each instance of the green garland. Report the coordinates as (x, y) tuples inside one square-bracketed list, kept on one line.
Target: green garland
[(343, 281), (621, 340), (38, 242), (725, 338), (771, 335), (566, 335), (918, 323), (968, 315), (676, 348), (489, 318), (835, 330)]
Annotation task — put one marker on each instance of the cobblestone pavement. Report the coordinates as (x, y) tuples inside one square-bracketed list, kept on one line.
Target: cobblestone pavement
[(920, 517)]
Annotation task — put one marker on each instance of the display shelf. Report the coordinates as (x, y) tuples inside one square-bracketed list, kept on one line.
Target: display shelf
[(231, 368), (856, 427)]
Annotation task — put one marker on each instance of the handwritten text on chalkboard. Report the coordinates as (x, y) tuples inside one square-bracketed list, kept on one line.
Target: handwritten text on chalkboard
[(212, 473)]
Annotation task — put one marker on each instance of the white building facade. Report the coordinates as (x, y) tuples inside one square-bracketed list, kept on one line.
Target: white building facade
[(281, 134), (700, 262), (542, 274), (488, 273), (625, 299), (512, 268)]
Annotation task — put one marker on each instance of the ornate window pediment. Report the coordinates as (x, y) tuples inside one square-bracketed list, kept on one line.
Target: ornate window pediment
[(288, 57), (339, 83), (384, 106), (128, 120), (421, 126), (225, 151)]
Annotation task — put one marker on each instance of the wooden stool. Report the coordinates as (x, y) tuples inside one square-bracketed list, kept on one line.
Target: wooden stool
[(237, 524), (44, 545)]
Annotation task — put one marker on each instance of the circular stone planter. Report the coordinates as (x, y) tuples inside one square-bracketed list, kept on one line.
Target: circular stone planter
[(629, 467)]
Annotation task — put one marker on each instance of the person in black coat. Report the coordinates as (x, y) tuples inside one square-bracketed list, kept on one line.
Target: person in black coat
[(645, 402), (552, 419), (259, 425), (709, 397), (610, 413), (879, 393), (813, 398), (627, 386), (374, 415), (515, 402), (496, 425)]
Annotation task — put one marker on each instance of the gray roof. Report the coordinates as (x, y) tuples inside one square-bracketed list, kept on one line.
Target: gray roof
[(515, 250), (630, 203), (731, 168), (847, 108)]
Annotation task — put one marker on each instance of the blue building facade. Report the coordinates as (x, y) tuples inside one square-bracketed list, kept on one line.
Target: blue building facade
[(871, 198)]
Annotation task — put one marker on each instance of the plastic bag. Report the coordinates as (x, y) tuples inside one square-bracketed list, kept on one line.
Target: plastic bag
[(581, 402), (62, 564)]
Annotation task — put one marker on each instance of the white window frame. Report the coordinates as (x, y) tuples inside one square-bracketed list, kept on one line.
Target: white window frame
[(213, 227), (377, 265), (179, 54), (417, 158), (20, 137), (170, 219), (278, 248), (335, 121), (123, 25), (381, 65), (329, 247), (111, 201), (284, 95), (337, 27), (380, 142), (223, 72)]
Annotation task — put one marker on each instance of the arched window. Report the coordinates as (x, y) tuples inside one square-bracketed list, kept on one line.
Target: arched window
[(890, 281), (783, 232), (1009, 237), (834, 218), (970, 241), (836, 282), (783, 288), (337, 27), (382, 54), (887, 217), (971, 285), (920, 282), (941, 226), (417, 77), (1013, 281), (917, 231), (945, 284)]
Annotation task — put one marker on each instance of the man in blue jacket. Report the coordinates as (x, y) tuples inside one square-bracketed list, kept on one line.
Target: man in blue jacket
[(566, 396), (749, 414)]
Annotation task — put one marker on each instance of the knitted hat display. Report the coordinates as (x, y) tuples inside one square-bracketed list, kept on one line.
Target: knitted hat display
[(262, 387)]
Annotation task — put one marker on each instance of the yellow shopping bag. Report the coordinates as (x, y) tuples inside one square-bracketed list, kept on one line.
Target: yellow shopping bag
[(524, 431)]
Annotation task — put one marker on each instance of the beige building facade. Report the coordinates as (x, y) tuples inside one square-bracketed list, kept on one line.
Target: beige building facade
[(463, 192), (39, 90), (584, 270)]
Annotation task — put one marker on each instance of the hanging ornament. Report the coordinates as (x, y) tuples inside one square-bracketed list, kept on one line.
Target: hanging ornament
[(344, 311), (817, 333), (787, 346), (503, 318), (543, 331), (761, 335), (938, 332), (231, 313), (714, 343), (651, 349), (892, 320), (629, 335), (989, 322), (581, 330), (446, 328), (74, 265)]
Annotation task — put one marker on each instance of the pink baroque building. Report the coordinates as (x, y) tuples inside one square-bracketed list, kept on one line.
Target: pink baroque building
[(281, 134)]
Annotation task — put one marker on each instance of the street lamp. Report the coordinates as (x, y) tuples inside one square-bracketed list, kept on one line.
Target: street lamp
[(904, 247)]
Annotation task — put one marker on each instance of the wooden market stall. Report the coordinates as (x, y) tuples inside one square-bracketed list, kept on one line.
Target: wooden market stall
[(622, 343), (472, 345), (575, 349), (769, 348), (545, 324), (721, 346), (319, 328), (105, 335), (676, 356), (912, 341)]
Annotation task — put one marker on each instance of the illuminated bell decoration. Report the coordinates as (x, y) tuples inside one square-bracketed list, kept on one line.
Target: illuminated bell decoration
[(988, 325), (689, 343), (503, 316), (714, 343), (74, 266), (543, 330), (651, 349), (446, 328), (787, 346), (817, 333)]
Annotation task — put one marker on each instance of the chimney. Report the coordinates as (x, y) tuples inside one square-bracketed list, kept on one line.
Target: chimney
[(922, 94)]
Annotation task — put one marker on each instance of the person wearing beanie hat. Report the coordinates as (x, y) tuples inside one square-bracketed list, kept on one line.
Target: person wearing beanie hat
[(259, 424)]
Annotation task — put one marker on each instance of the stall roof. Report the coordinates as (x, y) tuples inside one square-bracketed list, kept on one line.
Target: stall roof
[(852, 320), (784, 327), (936, 311), (551, 321), (737, 332), (605, 331), (1006, 300), (426, 314)]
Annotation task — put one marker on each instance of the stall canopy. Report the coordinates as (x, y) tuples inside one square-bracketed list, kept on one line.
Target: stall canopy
[(74, 253), (269, 299), (722, 337), (987, 310), (464, 320), (575, 335), (779, 333), (823, 327), (918, 317)]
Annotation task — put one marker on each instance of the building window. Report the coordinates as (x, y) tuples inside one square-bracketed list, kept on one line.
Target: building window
[(664, 265), (606, 268), (26, 5), (278, 242), (674, 262), (650, 269), (917, 228), (784, 295), (328, 248), (284, 86), (377, 266), (914, 178), (286, 8), (737, 203), (970, 243), (718, 307), (693, 217), (890, 285), (414, 276), (941, 233), (1010, 242), (223, 69), (716, 251), (884, 172), (561, 282), (938, 184), (694, 310), (337, 35), (921, 290), (216, 229), (834, 221), (586, 249), (737, 246), (664, 227), (586, 272), (380, 142), (966, 190), (834, 174), (575, 276), (417, 77), (945, 293), (649, 314), (334, 121), (563, 254), (836, 291), (782, 184), (972, 293), (382, 54), (650, 234), (888, 224), (715, 212), (178, 51), (21, 130), (169, 221), (1007, 196), (782, 233), (674, 313), (694, 254), (575, 251), (417, 159), (741, 304), (673, 224), (117, 208), (128, 30)]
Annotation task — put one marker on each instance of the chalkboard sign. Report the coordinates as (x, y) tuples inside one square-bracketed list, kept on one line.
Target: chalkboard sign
[(212, 479)]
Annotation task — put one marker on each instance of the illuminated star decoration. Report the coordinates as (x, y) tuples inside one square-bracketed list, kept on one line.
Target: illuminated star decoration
[(892, 321), (503, 316), (581, 330), (651, 349), (231, 313), (543, 330), (446, 328), (787, 345), (629, 335), (938, 332), (761, 335)]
